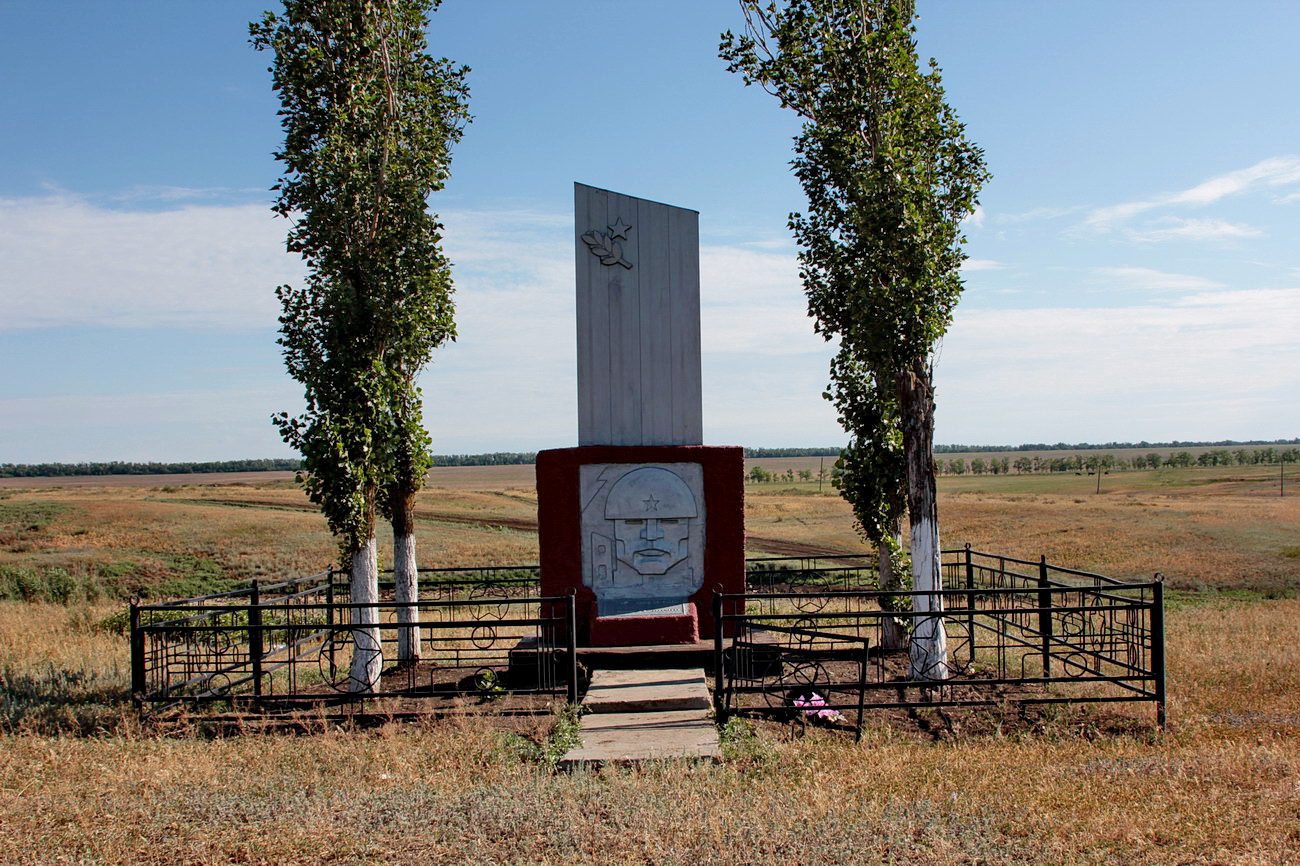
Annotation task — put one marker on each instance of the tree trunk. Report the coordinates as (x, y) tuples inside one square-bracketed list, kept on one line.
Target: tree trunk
[(407, 581), (893, 636), (929, 650), (367, 651)]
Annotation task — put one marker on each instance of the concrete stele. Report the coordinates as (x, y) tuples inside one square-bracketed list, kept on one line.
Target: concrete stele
[(638, 311)]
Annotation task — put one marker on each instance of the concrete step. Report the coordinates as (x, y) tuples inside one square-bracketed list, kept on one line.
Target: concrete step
[(689, 655), (626, 738), (646, 691)]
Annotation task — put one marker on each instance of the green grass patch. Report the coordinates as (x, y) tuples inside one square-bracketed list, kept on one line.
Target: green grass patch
[(29, 516), (53, 585), (1192, 599)]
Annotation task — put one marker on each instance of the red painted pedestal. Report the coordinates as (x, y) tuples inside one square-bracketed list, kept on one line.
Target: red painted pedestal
[(559, 515)]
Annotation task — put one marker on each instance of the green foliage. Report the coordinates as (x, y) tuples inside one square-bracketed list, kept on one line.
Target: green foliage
[(889, 176), (53, 585), (871, 472), (740, 743), (565, 734), (369, 119)]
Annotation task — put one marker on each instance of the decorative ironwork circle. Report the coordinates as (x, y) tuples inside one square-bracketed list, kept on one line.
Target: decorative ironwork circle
[(1075, 665), (487, 680), (801, 638), (797, 681), (483, 636)]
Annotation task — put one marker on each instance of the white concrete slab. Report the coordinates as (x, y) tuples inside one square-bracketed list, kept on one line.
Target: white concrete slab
[(643, 691), (632, 737)]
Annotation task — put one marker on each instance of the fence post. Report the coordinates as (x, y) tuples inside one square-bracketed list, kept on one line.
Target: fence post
[(970, 602), (1158, 647), (1045, 615), (137, 655), (329, 617), (571, 624), (255, 638), (718, 686)]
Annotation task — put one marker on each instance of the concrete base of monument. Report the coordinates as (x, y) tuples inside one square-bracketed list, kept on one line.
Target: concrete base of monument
[(645, 623), (584, 559)]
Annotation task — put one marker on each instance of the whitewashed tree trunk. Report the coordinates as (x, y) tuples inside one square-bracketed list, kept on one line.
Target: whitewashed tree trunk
[(929, 648), (367, 651), (407, 593), (929, 652)]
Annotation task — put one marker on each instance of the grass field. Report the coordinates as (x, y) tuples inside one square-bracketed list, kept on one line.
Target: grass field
[(82, 782)]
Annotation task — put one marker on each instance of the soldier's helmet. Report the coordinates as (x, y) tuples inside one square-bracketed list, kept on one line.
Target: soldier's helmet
[(650, 492)]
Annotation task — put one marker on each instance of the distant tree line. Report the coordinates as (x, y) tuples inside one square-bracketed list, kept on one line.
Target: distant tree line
[(792, 452), (1109, 462), (1108, 446), (496, 458), (757, 474), (122, 467)]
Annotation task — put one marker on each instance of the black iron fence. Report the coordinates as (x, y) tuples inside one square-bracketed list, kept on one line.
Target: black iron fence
[(295, 642), (812, 636), (811, 573), (1016, 631)]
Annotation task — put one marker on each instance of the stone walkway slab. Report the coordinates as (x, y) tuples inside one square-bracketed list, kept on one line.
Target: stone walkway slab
[(614, 738), (644, 691)]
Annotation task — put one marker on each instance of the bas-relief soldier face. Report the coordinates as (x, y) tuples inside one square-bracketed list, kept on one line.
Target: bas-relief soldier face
[(651, 510), (652, 545), (643, 529)]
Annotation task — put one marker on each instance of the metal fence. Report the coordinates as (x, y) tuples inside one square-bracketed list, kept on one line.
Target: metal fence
[(811, 573), (293, 642), (1017, 631)]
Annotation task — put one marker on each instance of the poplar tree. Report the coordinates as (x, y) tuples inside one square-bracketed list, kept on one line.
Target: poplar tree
[(889, 176), (369, 118)]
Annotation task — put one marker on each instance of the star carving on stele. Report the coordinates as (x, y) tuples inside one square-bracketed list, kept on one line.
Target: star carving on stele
[(651, 504), (619, 229)]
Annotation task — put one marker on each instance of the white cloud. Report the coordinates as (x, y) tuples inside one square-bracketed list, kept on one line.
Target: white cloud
[(64, 261), (1273, 172), (976, 217), (1038, 213), (1104, 218), (1212, 230), (981, 265), (1220, 364), (509, 381), (1277, 171), (1146, 278)]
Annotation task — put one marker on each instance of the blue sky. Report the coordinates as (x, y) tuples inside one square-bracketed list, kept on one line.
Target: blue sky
[(1134, 270)]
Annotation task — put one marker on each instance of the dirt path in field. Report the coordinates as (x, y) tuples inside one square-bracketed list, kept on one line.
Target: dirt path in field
[(523, 524), (773, 546), (779, 547)]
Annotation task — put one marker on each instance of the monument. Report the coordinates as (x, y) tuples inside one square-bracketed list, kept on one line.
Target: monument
[(641, 520)]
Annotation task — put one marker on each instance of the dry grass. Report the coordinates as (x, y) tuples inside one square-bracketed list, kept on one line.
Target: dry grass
[(81, 781), (1203, 529), (1223, 786), (167, 540)]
